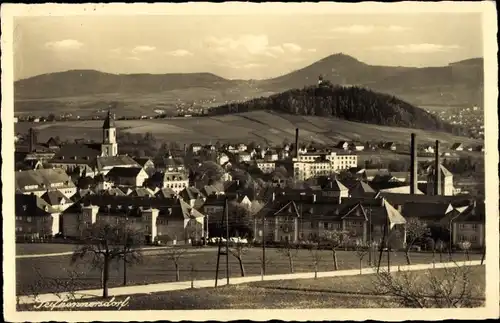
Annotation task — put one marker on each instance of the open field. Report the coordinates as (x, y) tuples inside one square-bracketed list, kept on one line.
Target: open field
[(137, 104), (156, 267), (258, 126), (334, 292)]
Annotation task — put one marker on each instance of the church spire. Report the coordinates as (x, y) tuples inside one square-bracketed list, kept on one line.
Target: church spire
[(109, 122)]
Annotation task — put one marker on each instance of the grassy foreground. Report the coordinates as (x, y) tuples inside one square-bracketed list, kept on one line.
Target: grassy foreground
[(335, 292), (156, 267)]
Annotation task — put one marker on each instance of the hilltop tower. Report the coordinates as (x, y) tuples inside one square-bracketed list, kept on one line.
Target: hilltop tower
[(109, 146)]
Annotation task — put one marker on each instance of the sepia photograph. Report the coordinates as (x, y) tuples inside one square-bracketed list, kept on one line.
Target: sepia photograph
[(250, 157)]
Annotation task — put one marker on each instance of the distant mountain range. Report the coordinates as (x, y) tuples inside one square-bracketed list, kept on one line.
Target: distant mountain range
[(459, 83)]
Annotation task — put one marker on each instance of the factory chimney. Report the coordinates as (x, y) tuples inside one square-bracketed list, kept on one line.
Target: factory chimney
[(414, 165), (32, 140), (437, 171), (297, 143)]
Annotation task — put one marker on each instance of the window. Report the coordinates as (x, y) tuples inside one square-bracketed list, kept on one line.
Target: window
[(474, 226), (473, 238), (326, 225), (28, 218)]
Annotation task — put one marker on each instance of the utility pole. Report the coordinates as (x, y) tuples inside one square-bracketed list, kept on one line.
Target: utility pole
[(370, 236), (220, 252), (263, 244)]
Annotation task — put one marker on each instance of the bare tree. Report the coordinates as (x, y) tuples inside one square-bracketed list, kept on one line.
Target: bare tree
[(447, 288), (238, 250), (465, 246), (334, 239), (361, 252), (175, 254), (315, 253), (267, 261), (104, 243), (131, 239), (415, 230), (290, 251)]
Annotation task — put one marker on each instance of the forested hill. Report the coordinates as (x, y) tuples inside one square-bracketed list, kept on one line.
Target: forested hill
[(349, 103)]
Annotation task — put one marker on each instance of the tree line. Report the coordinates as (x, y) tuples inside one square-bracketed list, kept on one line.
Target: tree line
[(349, 103)]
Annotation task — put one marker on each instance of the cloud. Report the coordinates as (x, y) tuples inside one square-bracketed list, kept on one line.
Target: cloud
[(250, 45), (354, 29), (239, 65), (116, 51), (366, 29), (67, 44), (133, 58), (312, 50), (180, 53), (294, 48), (424, 48), (143, 49)]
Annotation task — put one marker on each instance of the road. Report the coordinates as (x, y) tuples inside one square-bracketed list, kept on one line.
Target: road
[(48, 274)]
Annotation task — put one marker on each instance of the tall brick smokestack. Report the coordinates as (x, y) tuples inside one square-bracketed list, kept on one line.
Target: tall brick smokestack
[(32, 140), (297, 143), (414, 165), (437, 171)]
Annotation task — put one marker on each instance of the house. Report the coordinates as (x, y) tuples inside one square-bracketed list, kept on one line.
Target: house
[(146, 163), (222, 158), (56, 201), (467, 223), (40, 181), (295, 221), (343, 145), (403, 177), (428, 149), (34, 218), (141, 192), (390, 146), (166, 193), (212, 189), (265, 166), (242, 147), (370, 174), (360, 189), (457, 147), (169, 163), (447, 186), (195, 148), (357, 146), (106, 163), (53, 143), (192, 196), (244, 156), (162, 220), (177, 181), (127, 176), (271, 155)]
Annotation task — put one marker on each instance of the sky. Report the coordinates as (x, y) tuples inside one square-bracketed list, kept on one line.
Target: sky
[(239, 46)]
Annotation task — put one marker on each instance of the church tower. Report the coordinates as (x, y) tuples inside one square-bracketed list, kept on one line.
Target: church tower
[(109, 147)]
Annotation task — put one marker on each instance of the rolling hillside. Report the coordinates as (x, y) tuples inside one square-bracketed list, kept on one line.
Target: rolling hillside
[(349, 103), (459, 83), (259, 126)]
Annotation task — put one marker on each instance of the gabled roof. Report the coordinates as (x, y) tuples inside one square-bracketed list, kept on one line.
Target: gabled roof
[(43, 178), (166, 193), (427, 210), (400, 190), (29, 205), (361, 188), (115, 161), (337, 186), (141, 192), (143, 160), (114, 191), (190, 193), (401, 199), (54, 198), (456, 145), (84, 153), (124, 172)]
